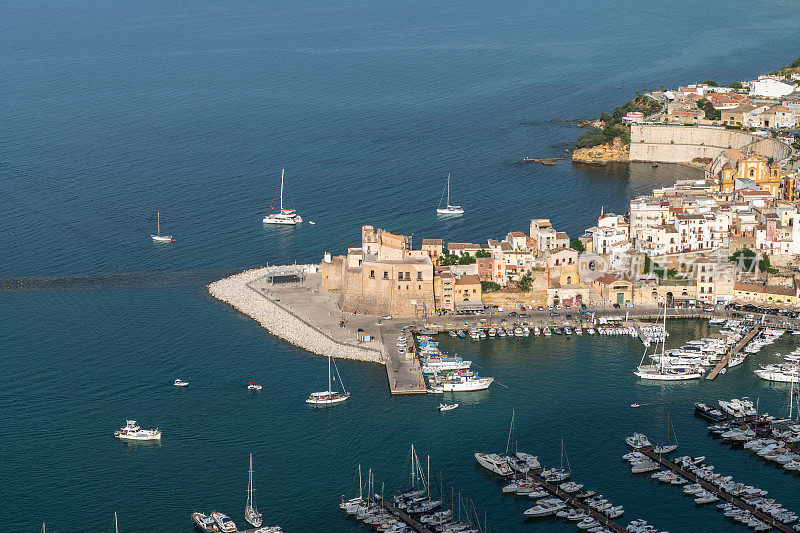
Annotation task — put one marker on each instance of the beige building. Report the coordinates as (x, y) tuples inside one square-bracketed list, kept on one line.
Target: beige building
[(467, 295), (385, 276)]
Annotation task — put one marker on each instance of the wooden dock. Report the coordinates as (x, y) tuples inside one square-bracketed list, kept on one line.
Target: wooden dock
[(405, 518), (739, 345), (738, 502), (575, 502)]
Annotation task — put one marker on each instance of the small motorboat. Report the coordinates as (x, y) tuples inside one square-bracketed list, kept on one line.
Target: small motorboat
[(447, 406), (635, 405), (253, 386), (132, 431), (181, 383), (312, 223)]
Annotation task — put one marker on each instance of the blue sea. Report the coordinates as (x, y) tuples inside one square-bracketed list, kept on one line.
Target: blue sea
[(112, 111)]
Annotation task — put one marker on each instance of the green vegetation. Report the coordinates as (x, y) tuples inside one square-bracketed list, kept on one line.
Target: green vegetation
[(651, 267), (577, 245), (736, 85), (456, 259), (483, 253), (524, 283), (746, 260), (641, 103), (708, 107), (711, 83), (488, 286), (604, 135), (613, 127), (791, 68)]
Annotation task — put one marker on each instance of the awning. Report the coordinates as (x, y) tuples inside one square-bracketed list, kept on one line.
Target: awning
[(284, 278), (469, 306)]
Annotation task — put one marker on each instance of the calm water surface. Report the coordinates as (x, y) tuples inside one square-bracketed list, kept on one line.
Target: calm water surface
[(114, 111)]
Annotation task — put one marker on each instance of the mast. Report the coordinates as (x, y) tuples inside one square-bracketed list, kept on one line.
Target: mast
[(448, 189), (329, 376), (158, 222), (510, 430), (282, 189), (116, 527), (413, 467), (664, 338), (429, 477), (360, 487)]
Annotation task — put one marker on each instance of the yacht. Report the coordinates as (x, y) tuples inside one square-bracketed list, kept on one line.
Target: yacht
[(461, 382), (158, 237), (637, 441), (450, 210), (664, 371), (545, 507), (204, 523), (251, 513), (784, 373), (132, 431), (224, 523), (494, 463), (738, 408), (330, 396), (709, 413), (284, 216)]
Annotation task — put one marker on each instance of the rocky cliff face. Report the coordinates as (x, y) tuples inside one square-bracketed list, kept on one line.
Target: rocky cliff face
[(617, 152)]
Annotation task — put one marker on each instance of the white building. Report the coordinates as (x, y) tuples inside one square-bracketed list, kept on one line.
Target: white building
[(770, 87)]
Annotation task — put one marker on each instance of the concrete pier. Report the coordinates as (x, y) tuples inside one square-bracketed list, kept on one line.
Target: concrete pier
[(739, 345)]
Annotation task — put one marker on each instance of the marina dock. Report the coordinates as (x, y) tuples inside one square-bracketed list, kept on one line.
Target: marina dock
[(575, 502), (405, 518), (722, 495), (403, 371), (741, 344)]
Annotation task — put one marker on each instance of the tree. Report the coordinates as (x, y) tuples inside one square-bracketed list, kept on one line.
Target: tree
[(466, 259), (525, 282), (736, 85), (661, 88), (711, 112), (711, 83), (577, 245), (487, 286), (747, 260), (592, 137), (483, 253)]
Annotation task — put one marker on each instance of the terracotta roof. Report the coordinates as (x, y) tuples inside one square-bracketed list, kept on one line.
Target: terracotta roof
[(517, 234), (561, 235), (468, 279), (432, 242)]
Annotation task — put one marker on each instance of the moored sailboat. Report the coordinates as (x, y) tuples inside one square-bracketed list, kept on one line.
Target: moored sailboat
[(329, 397), (284, 215), (450, 210), (158, 237), (251, 513)]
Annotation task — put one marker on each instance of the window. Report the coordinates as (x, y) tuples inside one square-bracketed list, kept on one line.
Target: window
[(372, 274), (419, 276), (408, 276), (752, 172), (399, 276), (385, 275)]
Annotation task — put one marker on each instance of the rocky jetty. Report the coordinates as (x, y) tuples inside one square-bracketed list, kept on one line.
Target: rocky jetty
[(281, 322), (617, 152)]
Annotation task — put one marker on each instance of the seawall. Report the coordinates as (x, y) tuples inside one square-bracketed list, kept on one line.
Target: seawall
[(680, 144), (237, 292)]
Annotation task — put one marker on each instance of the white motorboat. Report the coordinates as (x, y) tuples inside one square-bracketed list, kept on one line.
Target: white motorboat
[(637, 440), (545, 507), (330, 396), (204, 523), (181, 383), (665, 371), (224, 523), (461, 382), (252, 385), (158, 237), (284, 215), (782, 373), (494, 463), (449, 210), (251, 513), (447, 406), (132, 431), (738, 408)]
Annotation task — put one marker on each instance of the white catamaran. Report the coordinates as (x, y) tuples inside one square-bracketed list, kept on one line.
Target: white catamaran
[(330, 396), (158, 237), (284, 215), (251, 514), (450, 209)]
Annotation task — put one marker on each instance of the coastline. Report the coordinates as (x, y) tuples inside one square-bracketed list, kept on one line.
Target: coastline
[(239, 292)]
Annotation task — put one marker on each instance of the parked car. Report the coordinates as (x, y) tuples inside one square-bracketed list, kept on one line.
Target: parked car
[(616, 306), (540, 308), (512, 313), (386, 317), (628, 304), (524, 315), (554, 314)]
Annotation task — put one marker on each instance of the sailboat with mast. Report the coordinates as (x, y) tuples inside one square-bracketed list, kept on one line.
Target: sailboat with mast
[(664, 371), (667, 448), (450, 210), (251, 514), (330, 396), (158, 237), (284, 215)]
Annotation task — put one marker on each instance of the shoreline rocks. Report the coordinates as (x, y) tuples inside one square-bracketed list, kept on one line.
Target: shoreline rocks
[(602, 154), (235, 291)]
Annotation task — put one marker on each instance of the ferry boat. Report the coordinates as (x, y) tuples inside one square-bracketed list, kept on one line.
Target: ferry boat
[(158, 237), (461, 382), (224, 523), (284, 216), (450, 210), (132, 431), (204, 523)]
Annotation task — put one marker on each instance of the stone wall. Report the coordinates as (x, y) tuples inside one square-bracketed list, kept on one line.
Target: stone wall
[(681, 144)]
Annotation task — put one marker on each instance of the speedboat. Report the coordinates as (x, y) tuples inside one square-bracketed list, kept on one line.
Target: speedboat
[(132, 431), (253, 386), (494, 463), (204, 523), (224, 523), (447, 406), (181, 383)]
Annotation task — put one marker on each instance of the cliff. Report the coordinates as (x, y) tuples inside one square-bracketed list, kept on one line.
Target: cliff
[(617, 152)]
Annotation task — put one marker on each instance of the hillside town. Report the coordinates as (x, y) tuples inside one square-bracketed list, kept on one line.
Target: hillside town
[(733, 236)]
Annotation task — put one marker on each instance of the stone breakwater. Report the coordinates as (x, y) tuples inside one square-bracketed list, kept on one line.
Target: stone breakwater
[(236, 292)]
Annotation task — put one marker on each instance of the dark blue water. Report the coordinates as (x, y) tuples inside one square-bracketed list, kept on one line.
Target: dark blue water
[(113, 111)]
